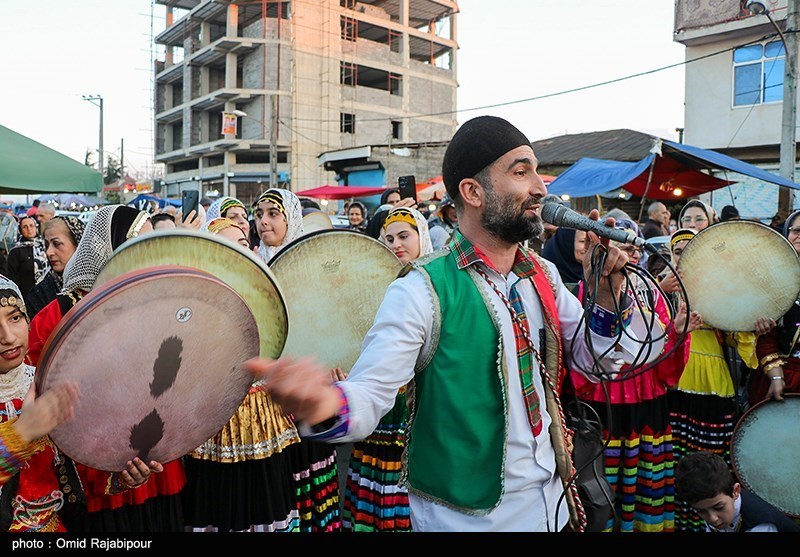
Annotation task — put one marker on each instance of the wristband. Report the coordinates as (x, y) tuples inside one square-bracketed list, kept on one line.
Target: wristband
[(333, 428), (609, 324), (776, 378)]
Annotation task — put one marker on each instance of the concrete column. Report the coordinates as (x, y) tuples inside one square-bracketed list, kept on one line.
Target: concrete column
[(232, 23)]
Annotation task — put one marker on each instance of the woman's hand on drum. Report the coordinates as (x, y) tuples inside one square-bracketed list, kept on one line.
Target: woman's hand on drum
[(695, 320), (338, 375), (136, 472), (669, 283), (42, 414), (764, 325), (301, 386)]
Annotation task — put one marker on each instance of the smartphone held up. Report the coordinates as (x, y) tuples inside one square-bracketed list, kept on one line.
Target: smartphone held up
[(407, 187), (189, 202)]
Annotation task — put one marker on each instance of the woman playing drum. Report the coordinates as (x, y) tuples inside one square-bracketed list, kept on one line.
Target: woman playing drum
[(155, 505), (778, 350), (703, 405), (278, 218), (373, 500), (241, 478)]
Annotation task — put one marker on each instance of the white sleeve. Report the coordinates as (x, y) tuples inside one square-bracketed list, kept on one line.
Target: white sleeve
[(389, 353)]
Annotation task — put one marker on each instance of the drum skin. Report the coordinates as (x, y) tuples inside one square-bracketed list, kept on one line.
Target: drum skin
[(765, 452), (333, 282), (157, 355), (243, 271), (316, 220), (737, 271)]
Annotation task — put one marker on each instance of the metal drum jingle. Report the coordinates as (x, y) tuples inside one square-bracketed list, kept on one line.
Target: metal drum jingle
[(157, 355)]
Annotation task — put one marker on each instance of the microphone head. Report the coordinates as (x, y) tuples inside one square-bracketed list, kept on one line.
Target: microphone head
[(553, 213)]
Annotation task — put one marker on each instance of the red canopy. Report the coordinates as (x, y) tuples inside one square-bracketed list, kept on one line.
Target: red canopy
[(340, 192)]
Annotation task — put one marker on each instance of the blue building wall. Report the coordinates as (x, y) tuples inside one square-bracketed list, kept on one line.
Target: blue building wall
[(371, 178)]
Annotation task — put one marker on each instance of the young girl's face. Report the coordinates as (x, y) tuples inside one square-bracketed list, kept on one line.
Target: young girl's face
[(403, 240), (270, 223), (13, 338)]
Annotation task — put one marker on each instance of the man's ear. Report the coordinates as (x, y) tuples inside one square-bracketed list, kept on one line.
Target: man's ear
[(471, 192), (737, 489)]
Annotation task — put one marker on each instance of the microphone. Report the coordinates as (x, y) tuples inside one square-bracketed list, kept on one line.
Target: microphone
[(559, 215)]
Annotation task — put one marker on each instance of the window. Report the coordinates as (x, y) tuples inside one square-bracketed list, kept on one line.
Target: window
[(349, 73), (349, 28), (397, 130), (758, 74), (347, 123)]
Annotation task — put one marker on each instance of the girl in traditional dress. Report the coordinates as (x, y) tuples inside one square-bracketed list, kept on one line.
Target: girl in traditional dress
[(241, 479), (278, 218), (373, 500), (155, 506)]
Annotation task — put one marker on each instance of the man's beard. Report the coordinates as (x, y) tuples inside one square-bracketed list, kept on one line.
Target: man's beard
[(503, 219)]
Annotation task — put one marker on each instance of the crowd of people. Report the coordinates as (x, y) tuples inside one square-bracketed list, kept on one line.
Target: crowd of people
[(498, 335)]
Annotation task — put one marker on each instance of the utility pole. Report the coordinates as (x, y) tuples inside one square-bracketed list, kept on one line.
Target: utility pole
[(273, 144), (789, 118), (122, 156), (97, 100)]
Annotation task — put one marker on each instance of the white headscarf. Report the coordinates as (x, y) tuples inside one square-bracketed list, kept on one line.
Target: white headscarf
[(220, 206), (425, 245), (98, 243), (16, 382), (292, 210)]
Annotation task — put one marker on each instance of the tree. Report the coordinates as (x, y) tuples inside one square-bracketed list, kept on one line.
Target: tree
[(113, 171), (87, 159)]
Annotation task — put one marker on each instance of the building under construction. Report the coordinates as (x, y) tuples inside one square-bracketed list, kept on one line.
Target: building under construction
[(249, 93)]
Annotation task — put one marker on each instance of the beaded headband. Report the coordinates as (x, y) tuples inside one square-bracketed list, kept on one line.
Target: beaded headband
[(273, 197), (9, 298), (400, 215)]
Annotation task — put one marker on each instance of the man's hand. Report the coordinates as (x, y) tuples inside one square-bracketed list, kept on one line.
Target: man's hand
[(42, 414), (301, 386), (615, 261)]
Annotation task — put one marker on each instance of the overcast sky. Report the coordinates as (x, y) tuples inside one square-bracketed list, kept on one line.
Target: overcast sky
[(54, 51)]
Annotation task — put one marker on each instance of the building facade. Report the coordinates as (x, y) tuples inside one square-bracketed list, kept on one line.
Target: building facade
[(735, 66), (250, 94)]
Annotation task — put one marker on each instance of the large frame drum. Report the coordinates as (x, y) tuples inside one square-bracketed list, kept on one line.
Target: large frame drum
[(333, 282), (157, 354), (765, 452), (737, 271)]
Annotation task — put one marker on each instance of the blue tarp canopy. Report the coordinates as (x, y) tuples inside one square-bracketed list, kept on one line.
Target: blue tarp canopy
[(657, 176)]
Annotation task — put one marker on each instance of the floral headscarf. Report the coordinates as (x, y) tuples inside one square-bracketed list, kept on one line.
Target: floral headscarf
[(711, 214), (75, 226), (288, 204), (108, 228), (41, 265)]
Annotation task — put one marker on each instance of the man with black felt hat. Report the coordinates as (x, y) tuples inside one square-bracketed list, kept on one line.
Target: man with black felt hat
[(477, 330)]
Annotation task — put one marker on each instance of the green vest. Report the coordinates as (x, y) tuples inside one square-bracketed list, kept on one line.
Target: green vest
[(455, 451), (455, 439)]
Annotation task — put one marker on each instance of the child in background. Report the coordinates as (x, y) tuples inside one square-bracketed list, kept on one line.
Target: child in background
[(704, 480)]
